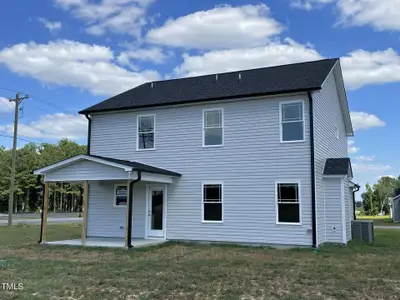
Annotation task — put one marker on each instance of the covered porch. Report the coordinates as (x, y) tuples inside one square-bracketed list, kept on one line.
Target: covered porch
[(124, 202)]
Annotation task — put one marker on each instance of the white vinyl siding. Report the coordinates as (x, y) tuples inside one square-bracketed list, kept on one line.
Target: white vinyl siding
[(104, 221), (250, 162), (333, 210), (327, 113)]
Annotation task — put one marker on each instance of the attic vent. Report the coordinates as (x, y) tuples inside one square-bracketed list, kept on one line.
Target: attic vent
[(363, 230)]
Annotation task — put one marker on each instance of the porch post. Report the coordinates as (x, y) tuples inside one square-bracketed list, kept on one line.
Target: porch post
[(45, 211), (127, 231), (85, 210)]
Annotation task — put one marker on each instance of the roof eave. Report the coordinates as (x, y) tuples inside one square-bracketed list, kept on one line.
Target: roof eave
[(305, 90)]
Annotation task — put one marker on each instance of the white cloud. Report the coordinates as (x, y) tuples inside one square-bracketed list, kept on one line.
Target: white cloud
[(222, 27), (63, 62), (363, 120), (238, 59), (365, 158), (5, 105), (51, 26), (309, 4), (361, 67), (370, 168), (54, 126), (118, 16), (380, 15), (351, 147), (152, 54)]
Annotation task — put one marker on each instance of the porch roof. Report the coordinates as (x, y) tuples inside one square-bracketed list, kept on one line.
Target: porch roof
[(123, 165)]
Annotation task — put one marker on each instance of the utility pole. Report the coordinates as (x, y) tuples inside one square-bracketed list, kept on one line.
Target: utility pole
[(18, 100)]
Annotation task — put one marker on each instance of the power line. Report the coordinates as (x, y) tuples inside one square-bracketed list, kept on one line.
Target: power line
[(29, 141)]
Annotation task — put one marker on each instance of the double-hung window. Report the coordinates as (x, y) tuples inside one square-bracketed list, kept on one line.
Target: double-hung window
[(212, 202), (292, 121), (288, 202), (120, 195), (213, 127), (146, 132)]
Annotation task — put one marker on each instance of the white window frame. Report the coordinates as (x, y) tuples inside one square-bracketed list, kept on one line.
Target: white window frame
[(115, 195), (204, 128), (137, 132), (281, 103), (291, 181), (337, 132), (202, 200)]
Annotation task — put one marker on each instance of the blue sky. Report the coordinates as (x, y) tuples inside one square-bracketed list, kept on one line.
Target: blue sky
[(70, 54)]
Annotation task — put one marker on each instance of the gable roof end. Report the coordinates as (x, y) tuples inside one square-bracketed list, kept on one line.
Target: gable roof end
[(292, 78)]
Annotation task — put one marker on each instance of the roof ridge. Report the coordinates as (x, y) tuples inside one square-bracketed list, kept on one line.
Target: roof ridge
[(242, 70)]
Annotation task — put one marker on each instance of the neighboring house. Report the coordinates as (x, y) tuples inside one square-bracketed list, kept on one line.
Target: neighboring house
[(254, 157), (396, 208)]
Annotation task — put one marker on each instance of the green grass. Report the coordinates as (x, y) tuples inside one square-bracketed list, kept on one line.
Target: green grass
[(380, 220), (197, 271)]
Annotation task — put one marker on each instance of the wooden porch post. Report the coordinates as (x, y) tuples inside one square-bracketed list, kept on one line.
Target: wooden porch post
[(127, 216), (45, 210), (85, 210)]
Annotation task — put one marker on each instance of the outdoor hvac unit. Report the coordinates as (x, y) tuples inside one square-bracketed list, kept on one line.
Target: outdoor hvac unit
[(363, 230)]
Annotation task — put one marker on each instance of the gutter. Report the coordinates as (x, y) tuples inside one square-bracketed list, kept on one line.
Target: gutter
[(130, 200), (355, 190), (39, 181), (312, 152), (89, 133)]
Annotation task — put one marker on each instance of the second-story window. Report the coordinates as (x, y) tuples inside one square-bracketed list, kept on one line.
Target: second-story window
[(213, 127), (292, 121), (146, 132)]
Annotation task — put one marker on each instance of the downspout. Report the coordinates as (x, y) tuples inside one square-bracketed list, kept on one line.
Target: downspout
[(130, 200), (39, 181), (355, 190), (312, 152), (89, 133)]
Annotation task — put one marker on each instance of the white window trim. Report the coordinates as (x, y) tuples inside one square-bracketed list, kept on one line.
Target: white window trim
[(115, 195), (222, 201), (281, 103), (298, 182), (222, 126), (137, 132), (337, 132)]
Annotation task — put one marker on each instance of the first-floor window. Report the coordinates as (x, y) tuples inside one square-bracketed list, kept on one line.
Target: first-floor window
[(120, 195), (288, 202), (212, 202)]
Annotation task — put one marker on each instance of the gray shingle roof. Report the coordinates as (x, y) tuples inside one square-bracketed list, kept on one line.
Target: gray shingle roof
[(139, 166), (256, 82), (338, 166)]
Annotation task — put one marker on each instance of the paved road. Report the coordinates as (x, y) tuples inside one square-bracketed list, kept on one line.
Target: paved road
[(387, 227), (49, 221)]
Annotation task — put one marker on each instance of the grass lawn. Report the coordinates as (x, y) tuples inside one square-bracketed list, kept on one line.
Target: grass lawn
[(380, 220), (190, 271)]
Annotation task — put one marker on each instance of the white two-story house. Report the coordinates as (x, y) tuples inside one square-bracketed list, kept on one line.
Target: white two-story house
[(253, 157)]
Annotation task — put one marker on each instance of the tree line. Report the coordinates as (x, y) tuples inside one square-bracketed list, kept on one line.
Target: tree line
[(377, 198), (64, 197)]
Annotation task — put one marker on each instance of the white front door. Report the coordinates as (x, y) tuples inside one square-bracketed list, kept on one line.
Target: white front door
[(155, 214)]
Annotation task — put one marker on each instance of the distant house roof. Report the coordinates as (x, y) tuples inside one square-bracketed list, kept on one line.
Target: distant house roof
[(338, 166), (291, 78)]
